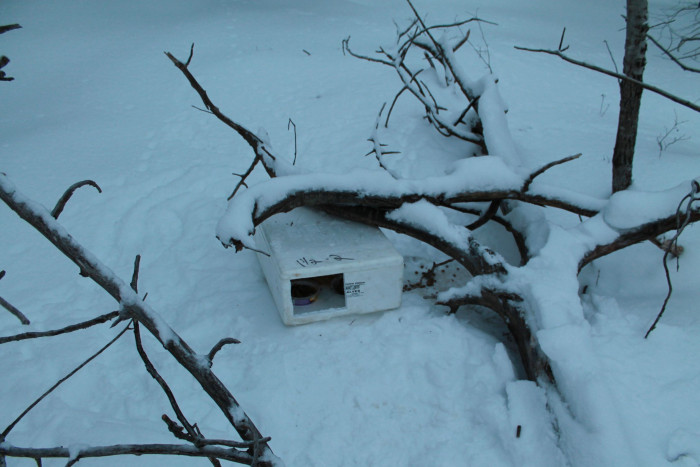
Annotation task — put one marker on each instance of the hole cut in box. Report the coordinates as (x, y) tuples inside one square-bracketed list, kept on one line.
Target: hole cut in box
[(318, 293), (320, 266)]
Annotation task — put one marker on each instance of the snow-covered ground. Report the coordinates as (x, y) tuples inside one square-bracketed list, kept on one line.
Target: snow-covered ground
[(94, 97)]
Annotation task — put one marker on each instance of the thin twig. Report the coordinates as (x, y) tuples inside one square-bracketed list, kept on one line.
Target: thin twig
[(649, 87), (219, 345), (244, 177), (135, 276), (487, 216), (9, 27), (391, 107), (58, 209), (612, 57), (56, 332), (545, 168), (291, 122), (161, 382), (683, 219), (561, 47), (12, 309), (61, 381), (224, 453), (462, 42)]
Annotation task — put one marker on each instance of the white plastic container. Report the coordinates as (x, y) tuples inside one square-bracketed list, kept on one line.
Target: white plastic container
[(334, 267)]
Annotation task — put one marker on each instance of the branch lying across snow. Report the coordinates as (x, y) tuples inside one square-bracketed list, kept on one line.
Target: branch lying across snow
[(132, 306), (56, 332), (7, 449), (471, 180)]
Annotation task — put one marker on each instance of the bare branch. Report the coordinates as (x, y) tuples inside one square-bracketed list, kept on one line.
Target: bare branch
[(133, 306), (683, 219), (487, 216), (9, 27), (12, 309), (56, 332), (251, 138), (612, 58), (219, 345), (228, 454), (462, 41), (9, 428), (640, 234), (163, 385), (291, 122), (346, 48), (673, 57), (546, 167), (649, 87), (391, 107), (244, 177), (58, 209), (518, 237)]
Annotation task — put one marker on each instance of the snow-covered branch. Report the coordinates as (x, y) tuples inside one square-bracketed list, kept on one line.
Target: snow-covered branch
[(132, 306), (74, 454)]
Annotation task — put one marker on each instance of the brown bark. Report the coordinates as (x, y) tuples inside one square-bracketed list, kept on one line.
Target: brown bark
[(630, 93)]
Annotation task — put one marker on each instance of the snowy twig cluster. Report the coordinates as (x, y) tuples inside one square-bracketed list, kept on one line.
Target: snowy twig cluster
[(500, 188), (253, 450)]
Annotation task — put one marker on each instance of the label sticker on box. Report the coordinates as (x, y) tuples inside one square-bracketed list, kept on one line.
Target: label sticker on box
[(354, 289)]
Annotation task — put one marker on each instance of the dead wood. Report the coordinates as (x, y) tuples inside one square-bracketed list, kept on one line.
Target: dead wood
[(134, 307)]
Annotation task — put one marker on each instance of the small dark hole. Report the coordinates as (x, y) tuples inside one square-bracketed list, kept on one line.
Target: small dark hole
[(302, 290)]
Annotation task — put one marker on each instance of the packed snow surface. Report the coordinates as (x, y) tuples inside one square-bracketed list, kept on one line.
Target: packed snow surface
[(95, 98)]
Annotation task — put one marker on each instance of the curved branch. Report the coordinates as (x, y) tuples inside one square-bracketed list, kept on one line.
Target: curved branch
[(546, 167), (56, 332), (637, 235), (61, 204), (473, 258), (535, 362), (220, 345)]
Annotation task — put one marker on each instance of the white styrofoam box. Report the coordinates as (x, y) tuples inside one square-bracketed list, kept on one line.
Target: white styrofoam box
[(309, 246)]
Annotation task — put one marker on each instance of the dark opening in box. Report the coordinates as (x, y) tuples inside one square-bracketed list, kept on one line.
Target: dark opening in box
[(318, 293)]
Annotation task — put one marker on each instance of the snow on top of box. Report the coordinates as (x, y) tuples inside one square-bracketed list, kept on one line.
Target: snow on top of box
[(305, 240)]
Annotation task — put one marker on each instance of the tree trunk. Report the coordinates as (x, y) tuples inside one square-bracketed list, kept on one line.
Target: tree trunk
[(630, 93)]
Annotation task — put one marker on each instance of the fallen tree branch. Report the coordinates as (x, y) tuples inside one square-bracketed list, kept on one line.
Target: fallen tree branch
[(228, 454), (133, 306), (56, 332), (633, 236)]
